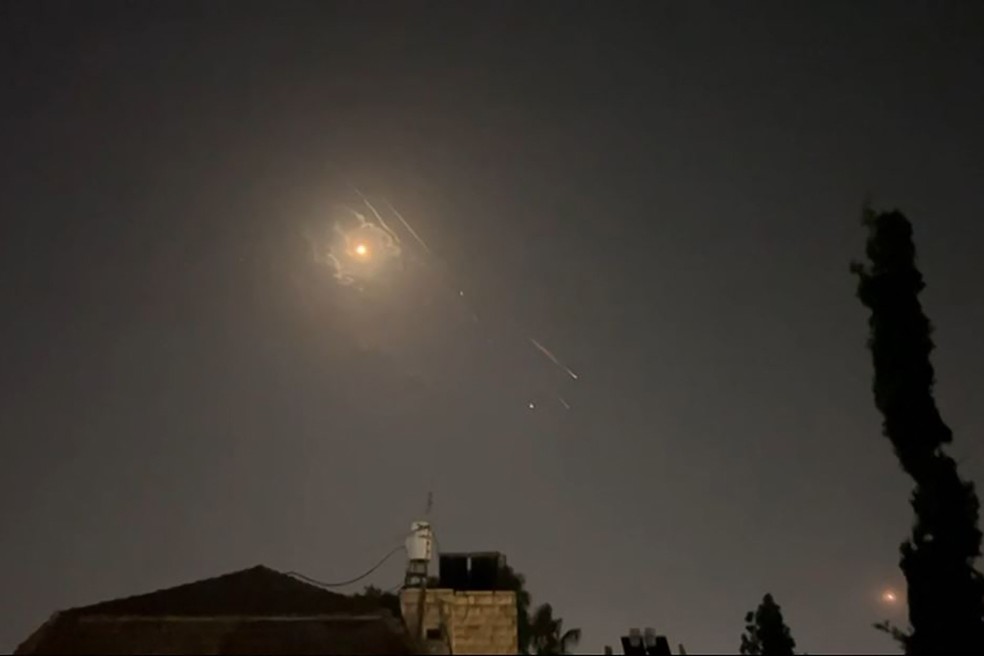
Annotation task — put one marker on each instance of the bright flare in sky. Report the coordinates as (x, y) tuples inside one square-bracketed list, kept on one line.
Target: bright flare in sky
[(889, 597), (361, 250)]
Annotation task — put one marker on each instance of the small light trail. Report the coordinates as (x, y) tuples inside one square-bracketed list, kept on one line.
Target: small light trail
[(543, 349), (406, 224)]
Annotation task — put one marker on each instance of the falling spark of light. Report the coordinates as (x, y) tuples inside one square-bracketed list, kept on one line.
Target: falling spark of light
[(406, 224), (567, 406), (889, 597), (532, 405), (543, 349)]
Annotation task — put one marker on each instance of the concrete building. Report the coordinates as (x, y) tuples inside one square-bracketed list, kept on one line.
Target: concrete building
[(466, 613)]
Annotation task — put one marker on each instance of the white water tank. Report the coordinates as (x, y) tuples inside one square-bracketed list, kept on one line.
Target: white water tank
[(419, 542)]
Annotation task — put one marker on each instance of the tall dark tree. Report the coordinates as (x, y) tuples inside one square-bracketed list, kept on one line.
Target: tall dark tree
[(945, 591), (766, 633), (548, 635)]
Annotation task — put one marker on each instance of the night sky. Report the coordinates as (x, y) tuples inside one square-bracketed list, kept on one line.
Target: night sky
[(665, 195)]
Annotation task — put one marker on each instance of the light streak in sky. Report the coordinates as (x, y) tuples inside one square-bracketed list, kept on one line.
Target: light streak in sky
[(379, 217), (540, 347), (358, 255), (406, 224), (543, 349)]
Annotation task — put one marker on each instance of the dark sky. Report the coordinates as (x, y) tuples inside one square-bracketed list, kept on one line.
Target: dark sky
[(667, 195)]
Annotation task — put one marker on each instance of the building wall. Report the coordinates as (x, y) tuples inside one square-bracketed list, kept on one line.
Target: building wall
[(472, 622)]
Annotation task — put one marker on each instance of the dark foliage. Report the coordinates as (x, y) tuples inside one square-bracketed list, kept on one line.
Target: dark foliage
[(548, 635), (945, 592), (539, 633), (766, 632), (513, 580), (380, 599)]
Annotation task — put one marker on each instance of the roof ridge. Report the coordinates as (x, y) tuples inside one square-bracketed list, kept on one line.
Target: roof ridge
[(259, 568), (382, 614), (257, 590)]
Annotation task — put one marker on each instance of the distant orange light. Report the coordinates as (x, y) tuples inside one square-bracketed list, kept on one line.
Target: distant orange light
[(889, 597), (361, 250)]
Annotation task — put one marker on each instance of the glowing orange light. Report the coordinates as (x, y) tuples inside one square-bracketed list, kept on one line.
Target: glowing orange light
[(361, 250), (889, 597)]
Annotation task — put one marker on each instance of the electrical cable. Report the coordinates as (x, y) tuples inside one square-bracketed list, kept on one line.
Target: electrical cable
[(341, 584)]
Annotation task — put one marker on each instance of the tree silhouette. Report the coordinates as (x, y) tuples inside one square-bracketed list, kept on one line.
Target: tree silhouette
[(945, 592), (510, 579), (766, 633), (548, 635)]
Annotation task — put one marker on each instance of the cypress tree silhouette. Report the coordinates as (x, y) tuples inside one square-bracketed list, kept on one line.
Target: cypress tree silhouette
[(945, 592), (766, 633)]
